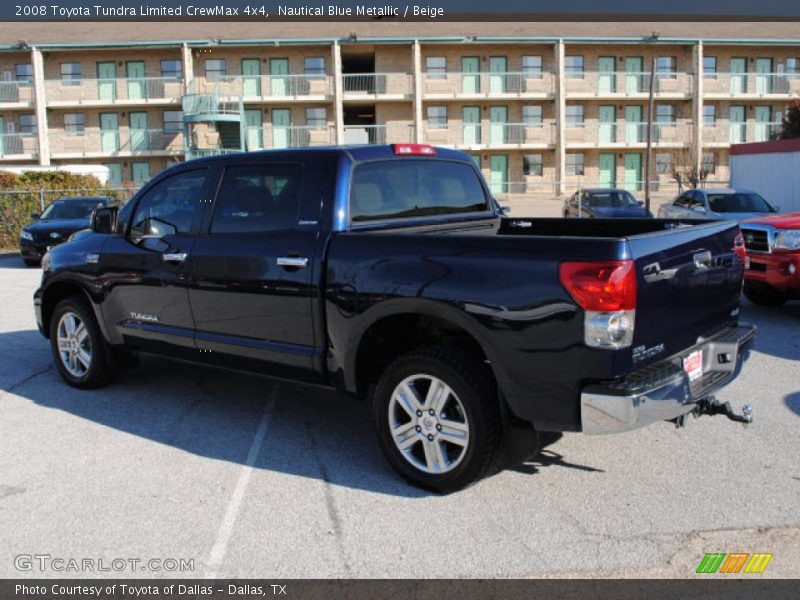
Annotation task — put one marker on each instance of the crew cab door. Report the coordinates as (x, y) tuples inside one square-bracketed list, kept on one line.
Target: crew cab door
[(255, 273), (146, 265)]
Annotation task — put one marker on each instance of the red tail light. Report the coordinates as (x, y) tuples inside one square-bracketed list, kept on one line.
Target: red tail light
[(604, 286), (410, 149), (738, 246)]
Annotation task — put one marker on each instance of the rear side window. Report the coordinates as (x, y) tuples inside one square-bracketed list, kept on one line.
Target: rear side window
[(405, 188), (258, 199)]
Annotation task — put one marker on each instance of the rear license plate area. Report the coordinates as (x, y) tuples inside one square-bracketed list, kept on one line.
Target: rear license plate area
[(693, 365)]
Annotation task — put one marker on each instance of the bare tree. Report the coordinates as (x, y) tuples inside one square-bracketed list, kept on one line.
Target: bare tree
[(684, 168), (790, 126)]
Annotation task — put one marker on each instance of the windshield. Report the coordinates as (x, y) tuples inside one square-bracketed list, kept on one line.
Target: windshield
[(71, 209), (612, 199), (390, 189), (738, 203)]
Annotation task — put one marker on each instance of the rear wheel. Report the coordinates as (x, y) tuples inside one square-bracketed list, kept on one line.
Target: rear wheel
[(438, 420), (763, 295)]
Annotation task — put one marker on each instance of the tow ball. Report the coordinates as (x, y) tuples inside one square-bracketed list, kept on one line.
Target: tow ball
[(711, 407)]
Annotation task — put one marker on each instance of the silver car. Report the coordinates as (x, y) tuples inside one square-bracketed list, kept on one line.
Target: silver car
[(716, 203)]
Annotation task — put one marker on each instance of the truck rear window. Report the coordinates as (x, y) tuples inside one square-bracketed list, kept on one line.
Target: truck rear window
[(393, 189)]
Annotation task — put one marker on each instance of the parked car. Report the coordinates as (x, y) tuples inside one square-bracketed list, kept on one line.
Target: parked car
[(58, 221), (772, 273), (717, 203), (388, 272), (605, 203)]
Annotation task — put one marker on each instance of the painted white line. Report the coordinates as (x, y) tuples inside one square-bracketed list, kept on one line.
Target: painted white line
[(220, 547)]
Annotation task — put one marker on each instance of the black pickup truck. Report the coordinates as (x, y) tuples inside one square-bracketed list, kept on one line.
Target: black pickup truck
[(390, 273)]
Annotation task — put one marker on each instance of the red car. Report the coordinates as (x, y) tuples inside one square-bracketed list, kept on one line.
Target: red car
[(772, 266)]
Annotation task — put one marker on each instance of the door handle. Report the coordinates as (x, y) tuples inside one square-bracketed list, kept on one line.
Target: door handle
[(174, 256), (298, 262)]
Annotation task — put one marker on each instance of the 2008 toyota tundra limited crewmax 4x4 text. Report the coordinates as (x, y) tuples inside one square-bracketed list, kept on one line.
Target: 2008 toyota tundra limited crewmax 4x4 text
[(389, 272)]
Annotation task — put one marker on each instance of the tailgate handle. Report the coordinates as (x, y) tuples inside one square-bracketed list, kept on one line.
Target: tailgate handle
[(702, 260), (296, 262)]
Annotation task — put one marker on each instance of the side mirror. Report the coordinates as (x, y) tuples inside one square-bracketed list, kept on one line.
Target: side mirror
[(35, 216), (641, 202), (104, 220), (504, 210)]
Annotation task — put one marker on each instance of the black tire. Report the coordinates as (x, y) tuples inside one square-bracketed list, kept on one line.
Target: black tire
[(102, 367), (477, 394), (764, 296), (31, 262)]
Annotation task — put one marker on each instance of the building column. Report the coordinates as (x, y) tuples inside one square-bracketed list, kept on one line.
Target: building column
[(40, 106), (419, 138), (697, 106), (338, 105), (561, 155), (188, 67)]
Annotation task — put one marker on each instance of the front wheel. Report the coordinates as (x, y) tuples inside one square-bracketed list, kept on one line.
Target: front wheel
[(437, 419), (763, 295)]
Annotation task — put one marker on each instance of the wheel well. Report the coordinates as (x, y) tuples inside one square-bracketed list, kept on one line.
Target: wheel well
[(395, 335), (55, 294)]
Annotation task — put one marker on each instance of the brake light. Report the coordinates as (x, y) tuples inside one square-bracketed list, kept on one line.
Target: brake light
[(600, 286), (738, 246), (414, 149)]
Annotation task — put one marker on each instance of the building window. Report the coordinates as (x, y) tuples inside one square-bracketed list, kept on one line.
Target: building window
[(666, 67), (437, 117), (665, 114), (532, 165), (573, 67), (664, 163), (575, 115), (314, 66), (532, 115), (172, 69), (71, 73), (532, 67), (73, 123), (793, 67), (575, 164), (317, 118), (709, 114), (24, 73), (436, 67), (216, 68), (709, 162), (173, 121), (27, 123), (710, 67)]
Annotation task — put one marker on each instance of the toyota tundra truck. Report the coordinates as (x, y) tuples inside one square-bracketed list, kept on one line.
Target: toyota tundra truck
[(391, 273), (772, 274)]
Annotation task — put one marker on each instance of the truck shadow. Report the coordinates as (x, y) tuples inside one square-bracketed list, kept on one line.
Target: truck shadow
[(311, 432), (792, 402)]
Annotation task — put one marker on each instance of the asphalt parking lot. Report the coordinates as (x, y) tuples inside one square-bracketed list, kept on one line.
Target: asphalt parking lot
[(251, 478)]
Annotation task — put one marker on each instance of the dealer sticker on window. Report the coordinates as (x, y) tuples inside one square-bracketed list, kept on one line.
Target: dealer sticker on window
[(693, 365), (746, 262)]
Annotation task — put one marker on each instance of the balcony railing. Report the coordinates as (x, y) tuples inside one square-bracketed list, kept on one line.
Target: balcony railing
[(378, 134), (210, 105), (132, 141), (753, 84), (455, 84), (596, 133), (19, 145), (377, 84), (493, 134), (16, 92), (110, 91), (264, 86), (294, 136), (727, 132), (624, 83)]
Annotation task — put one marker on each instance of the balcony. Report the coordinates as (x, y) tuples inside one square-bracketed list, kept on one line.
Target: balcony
[(489, 85), (494, 135), (294, 136), (17, 94), (725, 133), (625, 84), (594, 134), (122, 91), (378, 134), (210, 107), (19, 146), (756, 85), (97, 143), (258, 87), (377, 86)]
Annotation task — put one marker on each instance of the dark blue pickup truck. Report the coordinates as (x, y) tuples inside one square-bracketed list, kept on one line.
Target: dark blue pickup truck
[(389, 272)]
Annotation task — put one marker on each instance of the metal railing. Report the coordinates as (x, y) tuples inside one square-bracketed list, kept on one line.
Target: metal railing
[(454, 84), (210, 104), (597, 133), (294, 136), (132, 141), (15, 92), (19, 145), (378, 134), (727, 132), (377, 84), (117, 90), (264, 86), (492, 134), (624, 83), (756, 84)]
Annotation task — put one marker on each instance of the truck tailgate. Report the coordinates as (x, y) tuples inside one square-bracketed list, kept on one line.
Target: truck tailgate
[(689, 281)]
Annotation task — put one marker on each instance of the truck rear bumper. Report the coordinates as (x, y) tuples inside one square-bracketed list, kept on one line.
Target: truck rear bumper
[(663, 392)]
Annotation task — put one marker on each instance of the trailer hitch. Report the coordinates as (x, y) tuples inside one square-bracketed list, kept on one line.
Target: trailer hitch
[(711, 407)]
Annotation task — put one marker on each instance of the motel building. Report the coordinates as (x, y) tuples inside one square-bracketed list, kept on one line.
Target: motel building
[(542, 107)]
